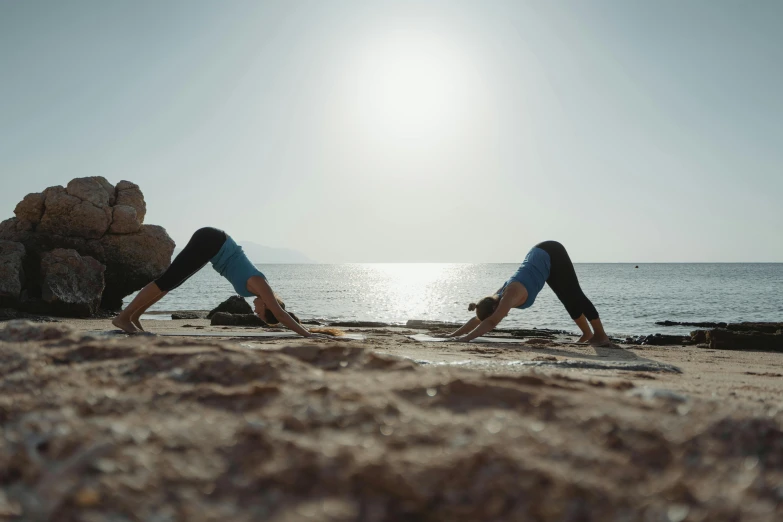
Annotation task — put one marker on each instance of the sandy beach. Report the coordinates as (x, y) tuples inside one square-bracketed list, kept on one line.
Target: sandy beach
[(107, 427)]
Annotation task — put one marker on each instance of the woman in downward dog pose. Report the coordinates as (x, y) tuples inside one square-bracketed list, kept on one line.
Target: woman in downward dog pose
[(228, 259), (547, 262)]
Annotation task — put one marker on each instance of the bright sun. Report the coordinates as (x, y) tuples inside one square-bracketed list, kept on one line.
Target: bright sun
[(409, 85)]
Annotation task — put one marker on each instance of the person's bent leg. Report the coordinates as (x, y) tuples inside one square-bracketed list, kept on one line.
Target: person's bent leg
[(583, 313), (573, 306), (584, 326), (146, 296), (599, 335), (203, 246), (136, 317), (564, 283)]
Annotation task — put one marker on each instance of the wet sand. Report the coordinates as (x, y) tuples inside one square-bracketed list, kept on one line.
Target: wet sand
[(106, 427)]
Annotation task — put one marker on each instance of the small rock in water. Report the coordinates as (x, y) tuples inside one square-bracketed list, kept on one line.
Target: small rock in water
[(659, 340), (720, 339), (233, 305)]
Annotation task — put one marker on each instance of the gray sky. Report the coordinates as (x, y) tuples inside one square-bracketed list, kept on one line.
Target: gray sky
[(412, 131)]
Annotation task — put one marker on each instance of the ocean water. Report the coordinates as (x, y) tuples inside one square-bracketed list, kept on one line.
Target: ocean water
[(630, 300)]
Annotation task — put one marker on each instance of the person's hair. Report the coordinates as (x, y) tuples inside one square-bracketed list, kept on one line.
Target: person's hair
[(485, 307), (269, 317)]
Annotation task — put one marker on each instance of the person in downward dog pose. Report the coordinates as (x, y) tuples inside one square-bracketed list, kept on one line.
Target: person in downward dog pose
[(228, 259), (549, 263)]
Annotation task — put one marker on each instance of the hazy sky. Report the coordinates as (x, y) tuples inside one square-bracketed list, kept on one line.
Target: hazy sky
[(412, 131)]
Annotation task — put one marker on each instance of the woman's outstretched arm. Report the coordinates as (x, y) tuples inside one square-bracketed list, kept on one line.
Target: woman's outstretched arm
[(261, 288), (470, 325), (514, 295)]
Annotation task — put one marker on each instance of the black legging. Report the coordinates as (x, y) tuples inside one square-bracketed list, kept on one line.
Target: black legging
[(203, 246), (564, 283)]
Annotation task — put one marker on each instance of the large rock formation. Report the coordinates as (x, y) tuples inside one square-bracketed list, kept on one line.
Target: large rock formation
[(11, 271), (125, 220), (129, 195), (133, 260), (72, 284), (68, 215), (31, 208), (102, 225)]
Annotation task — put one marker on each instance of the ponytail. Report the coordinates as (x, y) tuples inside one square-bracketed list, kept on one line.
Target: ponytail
[(485, 307)]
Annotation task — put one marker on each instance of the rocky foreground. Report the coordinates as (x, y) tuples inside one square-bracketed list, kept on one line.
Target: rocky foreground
[(117, 428)]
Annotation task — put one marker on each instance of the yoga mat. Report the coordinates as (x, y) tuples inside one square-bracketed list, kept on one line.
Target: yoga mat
[(424, 338), (632, 366), (260, 335)]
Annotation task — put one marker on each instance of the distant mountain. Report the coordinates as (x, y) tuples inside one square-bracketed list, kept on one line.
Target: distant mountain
[(260, 254)]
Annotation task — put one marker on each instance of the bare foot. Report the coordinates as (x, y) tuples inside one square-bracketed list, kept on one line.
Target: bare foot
[(124, 324), (136, 320), (585, 338), (603, 341)]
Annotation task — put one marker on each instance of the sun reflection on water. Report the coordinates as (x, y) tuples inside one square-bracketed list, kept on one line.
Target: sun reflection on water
[(411, 289), (413, 274)]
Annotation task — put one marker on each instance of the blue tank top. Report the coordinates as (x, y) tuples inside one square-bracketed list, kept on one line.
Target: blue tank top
[(232, 263), (533, 273)]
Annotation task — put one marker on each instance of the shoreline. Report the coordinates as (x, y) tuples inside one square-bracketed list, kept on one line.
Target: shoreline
[(688, 329), (664, 338)]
